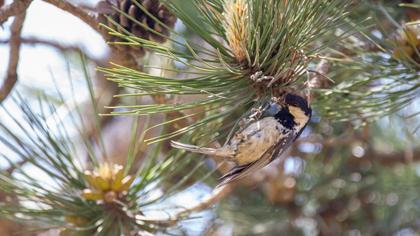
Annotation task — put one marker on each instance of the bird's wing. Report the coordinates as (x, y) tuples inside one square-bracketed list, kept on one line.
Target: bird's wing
[(239, 172)]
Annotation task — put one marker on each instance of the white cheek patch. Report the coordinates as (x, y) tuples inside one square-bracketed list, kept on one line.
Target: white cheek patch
[(300, 118)]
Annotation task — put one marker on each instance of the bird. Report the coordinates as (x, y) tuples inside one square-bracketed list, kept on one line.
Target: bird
[(261, 141)]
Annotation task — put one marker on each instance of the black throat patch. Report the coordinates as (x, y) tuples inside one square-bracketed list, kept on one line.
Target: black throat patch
[(285, 118)]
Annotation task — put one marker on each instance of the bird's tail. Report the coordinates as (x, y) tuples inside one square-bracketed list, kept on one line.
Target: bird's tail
[(218, 152)]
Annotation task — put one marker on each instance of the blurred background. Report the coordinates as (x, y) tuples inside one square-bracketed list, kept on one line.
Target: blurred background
[(340, 178)]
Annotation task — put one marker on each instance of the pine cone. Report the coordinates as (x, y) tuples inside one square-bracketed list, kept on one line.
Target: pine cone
[(151, 29)]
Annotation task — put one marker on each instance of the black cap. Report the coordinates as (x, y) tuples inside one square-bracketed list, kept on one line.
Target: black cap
[(298, 101)]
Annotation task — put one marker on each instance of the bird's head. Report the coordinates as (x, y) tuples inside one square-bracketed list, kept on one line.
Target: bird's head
[(294, 111), (295, 102), (298, 107)]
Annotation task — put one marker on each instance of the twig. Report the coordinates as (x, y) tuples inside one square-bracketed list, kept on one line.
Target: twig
[(221, 193), (11, 77), (61, 47), (90, 20), (79, 13), (217, 195), (11, 169), (14, 8), (87, 7), (319, 77)]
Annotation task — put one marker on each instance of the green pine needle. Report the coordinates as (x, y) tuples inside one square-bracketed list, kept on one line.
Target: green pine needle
[(279, 40)]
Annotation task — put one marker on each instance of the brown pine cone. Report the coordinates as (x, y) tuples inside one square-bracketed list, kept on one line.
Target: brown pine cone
[(148, 28)]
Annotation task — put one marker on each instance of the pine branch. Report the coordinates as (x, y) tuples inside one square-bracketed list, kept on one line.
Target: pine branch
[(59, 46), (98, 199), (318, 80), (240, 68), (79, 13), (15, 44), (216, 196), (13, 9)]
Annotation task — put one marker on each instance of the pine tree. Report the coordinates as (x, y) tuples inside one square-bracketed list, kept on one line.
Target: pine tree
[(204, 68)]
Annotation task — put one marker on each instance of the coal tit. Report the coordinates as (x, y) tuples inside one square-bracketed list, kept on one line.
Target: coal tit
[(263, 140)]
